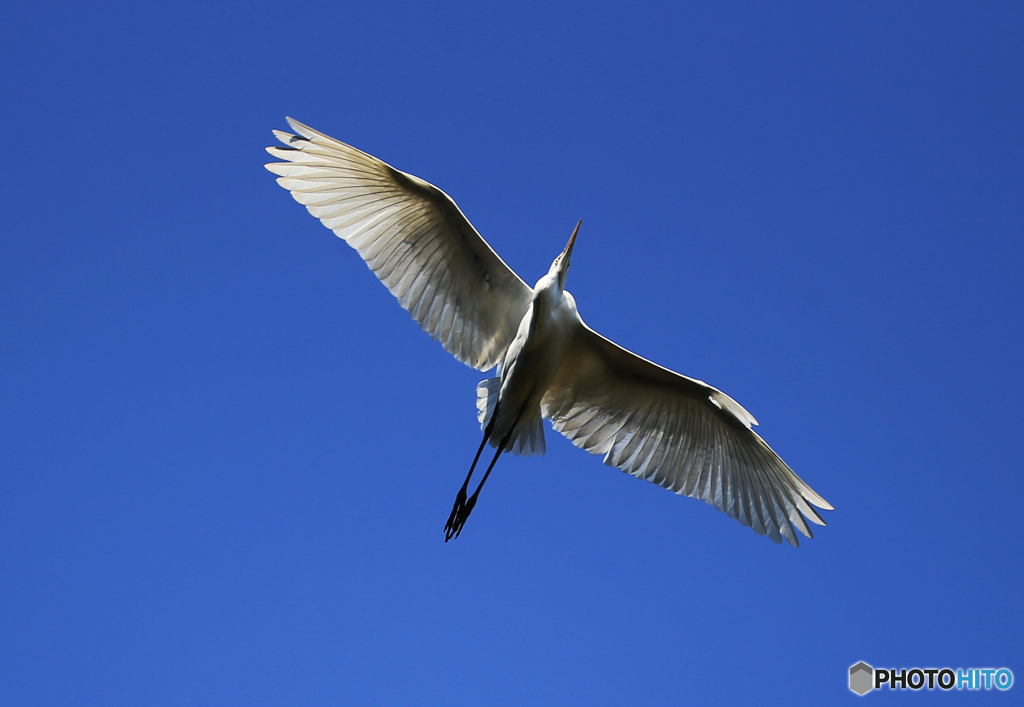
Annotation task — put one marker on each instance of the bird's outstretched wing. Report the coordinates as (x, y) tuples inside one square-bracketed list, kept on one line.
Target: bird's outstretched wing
[(414, 237), (677, 432)]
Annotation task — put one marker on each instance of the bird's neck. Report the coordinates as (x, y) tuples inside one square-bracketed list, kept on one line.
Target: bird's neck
[(550, 300), (547, 288)]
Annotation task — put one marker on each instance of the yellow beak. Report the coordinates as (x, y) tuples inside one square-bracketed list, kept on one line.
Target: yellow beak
[(572, 241)]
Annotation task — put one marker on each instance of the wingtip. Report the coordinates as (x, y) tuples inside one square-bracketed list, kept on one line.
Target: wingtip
[(302, 129), (817, 500)]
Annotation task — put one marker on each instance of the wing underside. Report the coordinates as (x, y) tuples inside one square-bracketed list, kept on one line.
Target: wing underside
[(677, 432), (414, 237)]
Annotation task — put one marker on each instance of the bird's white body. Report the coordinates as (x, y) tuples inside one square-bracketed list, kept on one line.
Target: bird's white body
[(532, 361), (647, 420)]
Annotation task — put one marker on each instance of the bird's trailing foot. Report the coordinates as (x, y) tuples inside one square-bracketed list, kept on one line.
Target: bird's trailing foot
[(464, 506), (460, 512), (457, 513)]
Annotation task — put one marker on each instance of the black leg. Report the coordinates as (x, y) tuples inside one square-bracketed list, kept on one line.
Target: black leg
[(471, 502), (460, 497), (463, 506)]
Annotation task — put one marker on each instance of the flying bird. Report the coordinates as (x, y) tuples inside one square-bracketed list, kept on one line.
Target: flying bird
[(648, 421)]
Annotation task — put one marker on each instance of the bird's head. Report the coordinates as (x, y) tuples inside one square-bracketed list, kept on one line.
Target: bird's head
[(561, 264)]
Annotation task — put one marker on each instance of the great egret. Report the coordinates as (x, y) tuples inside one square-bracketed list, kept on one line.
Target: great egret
[(648, 421)]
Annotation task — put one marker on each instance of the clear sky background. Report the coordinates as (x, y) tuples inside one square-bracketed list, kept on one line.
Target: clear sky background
[(227, 455)]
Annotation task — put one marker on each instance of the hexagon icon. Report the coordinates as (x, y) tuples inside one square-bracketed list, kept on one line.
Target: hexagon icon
[(861, 678)]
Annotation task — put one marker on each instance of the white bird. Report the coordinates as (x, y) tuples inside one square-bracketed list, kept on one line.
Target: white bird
[(648, 421)]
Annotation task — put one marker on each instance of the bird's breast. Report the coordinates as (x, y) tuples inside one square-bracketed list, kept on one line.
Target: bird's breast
[(536, 352)]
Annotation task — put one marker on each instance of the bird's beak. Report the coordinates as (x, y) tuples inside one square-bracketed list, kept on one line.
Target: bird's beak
[(572, 241)]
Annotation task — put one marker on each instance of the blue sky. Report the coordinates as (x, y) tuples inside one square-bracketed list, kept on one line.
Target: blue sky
[(227, 456)]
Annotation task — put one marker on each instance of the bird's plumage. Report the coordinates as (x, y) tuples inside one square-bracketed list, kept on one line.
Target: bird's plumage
[(677, 432), (653, 423), (414, 237)]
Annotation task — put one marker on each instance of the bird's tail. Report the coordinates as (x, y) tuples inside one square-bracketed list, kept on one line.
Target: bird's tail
[(527, 439)]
